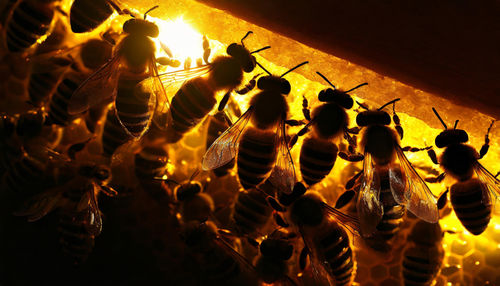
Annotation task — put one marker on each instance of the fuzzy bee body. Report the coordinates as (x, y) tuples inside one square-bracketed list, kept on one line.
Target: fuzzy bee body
[(423, 256), (42, 84), (29, 21), (151, 162), (317, 158), (58, 105), (86, 15), (251, 211)]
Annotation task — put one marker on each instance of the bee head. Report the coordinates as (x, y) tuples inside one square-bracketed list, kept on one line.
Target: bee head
[(307, 210), (136, 26), (95, 53), (451, 136), (274, 83), (373, 117), (276, 248), (187, 190), (242, 55), (336, 96)]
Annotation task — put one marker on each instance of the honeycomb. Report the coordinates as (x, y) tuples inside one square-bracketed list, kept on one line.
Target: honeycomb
[(138, 243)]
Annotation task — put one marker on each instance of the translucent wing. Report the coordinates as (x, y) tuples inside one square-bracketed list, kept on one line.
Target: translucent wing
[(369, 206), (38, 206), (491, 191), (350, 222), (247, 267), (416, 196), (224, 149), (176, 76), (98, 88), (94, 221), (283, 175), (320, 275)]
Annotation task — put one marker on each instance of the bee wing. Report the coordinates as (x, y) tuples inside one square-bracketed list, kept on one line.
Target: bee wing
[(94, 223), (242, 261), (98, 88), (169, 78), (491, 189), (412, 191), (283, 175), (350, 222), (224, 148), (40, 205), (369, 206), (320, 275)]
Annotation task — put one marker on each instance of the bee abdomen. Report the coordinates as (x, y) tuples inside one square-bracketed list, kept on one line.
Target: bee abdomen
[(132, 104), (58, 108), (74, 238), (150, 163), (86, 15), (191, 104), (338, 254), (113, 135), (30, 20), (22, 178), (393, 213), (317, 158), (256, 156), (42, 85), (419, 267), (251, 211), (467, 200)]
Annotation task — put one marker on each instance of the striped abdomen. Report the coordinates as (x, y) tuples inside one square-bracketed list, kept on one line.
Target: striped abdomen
[(25, 178), (58, 106), (421, 264), (75, 239), (333, 245), (257, 154), (132, 104), (86, 15), (30, 20), (467, 200), (42, 84), (393, 212), (113, 134), (251, 211), (216, 126), (317, 158), (151, 162), (192, 102)]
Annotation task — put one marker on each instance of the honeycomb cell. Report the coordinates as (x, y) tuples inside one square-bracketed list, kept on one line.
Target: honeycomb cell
[(460, 246), (362, 274), (486, 275), (378, 272), (473, 262), (449, 270), (493, 258)]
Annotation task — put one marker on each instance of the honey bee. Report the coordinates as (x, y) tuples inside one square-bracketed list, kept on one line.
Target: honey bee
[(329, 121), (87, 15), (423, 256), (151, 163), (113, 134), (322, 229), (133, 60), (196, 97), (472, 197), (262, 148), (220, 263), (195, 205), (381, 148), (28, 21), (271, 266)]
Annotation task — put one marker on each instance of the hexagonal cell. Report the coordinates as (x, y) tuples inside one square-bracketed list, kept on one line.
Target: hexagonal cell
[(362, 274), (378, 272), (493, 258), (486, 275), (449, 270), (460, 246), (473, 262), (454, 260)]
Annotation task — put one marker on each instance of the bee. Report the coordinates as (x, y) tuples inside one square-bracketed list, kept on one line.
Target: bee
[(322, 229), (271, 266), (118, 80), (196, 97), (220, 263), (382, 177), (423, 256), (87, 15), (28, 21), (93, 54), (472, 197), (262, 148), (194, 205), (318, 152), (113, 134), (150, 163)]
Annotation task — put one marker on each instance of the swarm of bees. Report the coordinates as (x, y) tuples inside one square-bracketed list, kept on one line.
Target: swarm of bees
[(100, 116)]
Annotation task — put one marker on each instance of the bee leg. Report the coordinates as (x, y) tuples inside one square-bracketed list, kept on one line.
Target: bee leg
[(435, 179), (249, 86), (433, 156), (223, 101), (280, 220), (354, 130), (443, 199), (303, 258), (351, 157), (344, 199), (302, 132), (293, 122), (415, 149), (305, 109), (486, 145), (352, 181), (396, 120)]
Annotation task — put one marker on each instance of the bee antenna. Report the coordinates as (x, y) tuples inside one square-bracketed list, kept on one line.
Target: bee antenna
[(294, 68), (388, 103), (263, 68), (244, 37), (195, 173), (456, 123), (151, 9), (362, 105), (439, 117), (356, 87), (324, 77), (261, 49)]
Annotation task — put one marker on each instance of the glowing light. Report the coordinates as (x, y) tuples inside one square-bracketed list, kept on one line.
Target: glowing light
[(181, 38)]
